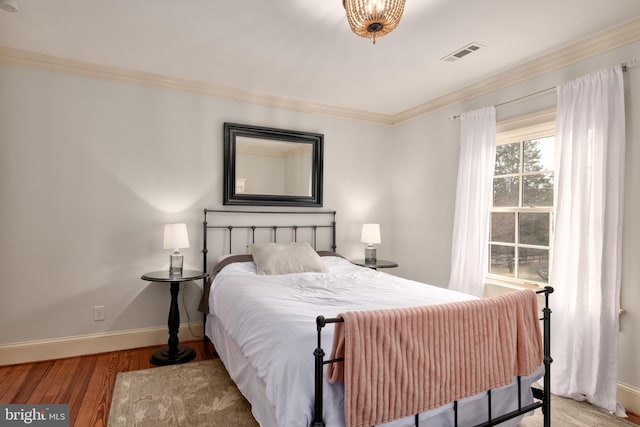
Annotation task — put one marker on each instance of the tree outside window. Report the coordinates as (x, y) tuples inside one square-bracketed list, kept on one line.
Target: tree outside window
[(522, 212)]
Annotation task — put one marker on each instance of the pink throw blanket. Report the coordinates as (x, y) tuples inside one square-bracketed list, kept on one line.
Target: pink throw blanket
[(404, 361)]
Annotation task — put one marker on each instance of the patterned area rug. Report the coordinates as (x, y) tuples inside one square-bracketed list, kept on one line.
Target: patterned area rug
[(194, 394), (200, 394)]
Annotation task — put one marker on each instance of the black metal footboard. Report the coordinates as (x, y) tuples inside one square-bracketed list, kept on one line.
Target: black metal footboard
[(542, 396)]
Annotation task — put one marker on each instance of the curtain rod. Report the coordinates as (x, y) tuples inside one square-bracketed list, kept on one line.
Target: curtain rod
[(634, 63)]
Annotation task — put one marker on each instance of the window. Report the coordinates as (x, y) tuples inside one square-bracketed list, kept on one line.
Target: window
[(521, 229)]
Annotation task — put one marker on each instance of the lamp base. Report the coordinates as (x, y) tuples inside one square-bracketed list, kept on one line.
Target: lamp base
[(175, 264), (370, 255)]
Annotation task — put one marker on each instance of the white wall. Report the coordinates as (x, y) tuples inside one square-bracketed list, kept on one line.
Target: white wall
[(90, 170), (425, 171)]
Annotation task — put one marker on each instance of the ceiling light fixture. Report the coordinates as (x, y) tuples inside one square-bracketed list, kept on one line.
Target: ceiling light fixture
[(373, 18)]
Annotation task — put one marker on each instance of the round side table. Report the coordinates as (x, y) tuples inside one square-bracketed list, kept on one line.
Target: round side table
[(174, 352), (379, 263)]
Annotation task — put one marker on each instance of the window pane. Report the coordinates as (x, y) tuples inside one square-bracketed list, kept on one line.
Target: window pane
[(503, 227), (533, 264), (507, 159), (538, 154), (505, 191), (537, 190), (501, 261), (534, 228)]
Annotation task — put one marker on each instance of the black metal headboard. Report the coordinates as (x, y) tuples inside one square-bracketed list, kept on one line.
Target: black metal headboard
[(244, 223)]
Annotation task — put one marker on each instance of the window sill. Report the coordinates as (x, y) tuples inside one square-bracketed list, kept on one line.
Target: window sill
[(494, 287)]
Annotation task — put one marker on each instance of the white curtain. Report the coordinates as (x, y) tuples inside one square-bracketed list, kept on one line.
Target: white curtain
[(587, 250), (469, 254)]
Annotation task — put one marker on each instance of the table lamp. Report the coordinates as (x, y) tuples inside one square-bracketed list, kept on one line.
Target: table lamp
[(371, 236), (175, 237)]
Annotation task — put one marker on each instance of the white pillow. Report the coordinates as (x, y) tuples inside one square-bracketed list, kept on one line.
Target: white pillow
[(286, 258)]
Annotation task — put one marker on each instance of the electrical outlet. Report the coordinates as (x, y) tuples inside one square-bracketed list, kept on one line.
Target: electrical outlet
[(98, 312)]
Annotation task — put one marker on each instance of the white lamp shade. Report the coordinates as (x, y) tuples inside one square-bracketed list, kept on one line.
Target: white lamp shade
[(370, 234), (175, 236)]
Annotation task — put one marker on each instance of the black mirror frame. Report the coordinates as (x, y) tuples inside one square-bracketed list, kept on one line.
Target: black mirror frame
[(230, 197)]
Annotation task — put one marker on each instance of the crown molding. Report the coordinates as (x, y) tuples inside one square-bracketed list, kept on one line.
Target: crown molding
[(599, 43), (104, 72)]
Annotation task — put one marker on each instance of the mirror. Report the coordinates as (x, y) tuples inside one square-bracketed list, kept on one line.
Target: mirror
[(272, 167)]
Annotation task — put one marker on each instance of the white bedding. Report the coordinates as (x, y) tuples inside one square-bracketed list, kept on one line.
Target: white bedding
[(271, 321)]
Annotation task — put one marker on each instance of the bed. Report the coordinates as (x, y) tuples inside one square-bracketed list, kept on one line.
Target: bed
[(268, 329)]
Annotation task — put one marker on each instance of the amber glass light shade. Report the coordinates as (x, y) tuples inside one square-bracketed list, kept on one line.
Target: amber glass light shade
[(373, 18)]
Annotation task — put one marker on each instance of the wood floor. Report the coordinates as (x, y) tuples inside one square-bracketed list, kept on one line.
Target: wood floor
[(85, 383)]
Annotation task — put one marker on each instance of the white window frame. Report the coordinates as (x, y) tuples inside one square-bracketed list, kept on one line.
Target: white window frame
[(510, 131)]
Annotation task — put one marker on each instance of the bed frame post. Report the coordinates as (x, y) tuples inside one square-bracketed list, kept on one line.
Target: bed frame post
[(319, 357), (204, 242), (333, 237), (204, 268), (546, 407)]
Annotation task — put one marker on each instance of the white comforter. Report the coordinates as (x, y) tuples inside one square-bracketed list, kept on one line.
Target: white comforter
[(272, 318)]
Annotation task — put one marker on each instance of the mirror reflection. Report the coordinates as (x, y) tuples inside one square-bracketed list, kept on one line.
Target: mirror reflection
[(265, 166)]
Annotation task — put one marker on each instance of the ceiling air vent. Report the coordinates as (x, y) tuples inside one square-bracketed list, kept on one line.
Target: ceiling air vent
[(460, 53)]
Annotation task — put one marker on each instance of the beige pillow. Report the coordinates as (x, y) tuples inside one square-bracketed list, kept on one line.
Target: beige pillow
[(286, 258)]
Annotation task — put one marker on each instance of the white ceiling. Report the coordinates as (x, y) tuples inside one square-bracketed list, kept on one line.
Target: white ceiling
[(304, 49)]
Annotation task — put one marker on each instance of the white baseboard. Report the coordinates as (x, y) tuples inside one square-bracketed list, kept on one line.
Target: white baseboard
[(629, 396), (33, 351)]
